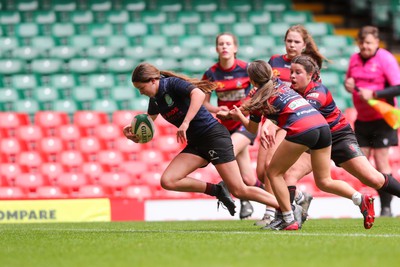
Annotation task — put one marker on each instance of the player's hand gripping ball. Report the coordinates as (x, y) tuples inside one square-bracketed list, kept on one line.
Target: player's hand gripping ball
[(143, 127)]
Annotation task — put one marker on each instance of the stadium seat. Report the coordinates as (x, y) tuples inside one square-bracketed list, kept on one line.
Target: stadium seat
[(10, 121), (120, 65), (134, 169), (44, 17), (9, 172), (72, 181), (151, 178), (188, 17), (30, 135), (394, 155), (50, 121), (7, 97), (84, 65), (92, 170), (128, 148), (187, 46), (72, 160), (100, 29), (8, 43), (117, 17), (11, 192), (210, 29), (140, 192), (110, 159), (244, 29), (68, 106), (50, 148), (173, 29), (197, 65), (84, 96), (87, 120), (168, 145), (108, 133), (122, 95), (101, 52), (90, 146), (11, 66), (164, 127), (46, 96), (108, 106), (11, 147), (118, 41), (152, 157), (27, 105), (123, 117), (50, 191), (24, 83), (139, 52), (43, 42), (61, 30), (29, 182), (81, 41), (155, 41), (51, 171), (92, 191), (115, 181), (204, 5), (26, 52), (70, 134)]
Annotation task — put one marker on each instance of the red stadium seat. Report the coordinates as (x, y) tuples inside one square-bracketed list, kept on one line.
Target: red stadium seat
[(87, 120), (164, 127), (70, 134), (72, 181), (151, 178), (30, 134), (51, 171), (108, 132), (92, 191), (92, 170), (71, 159), (10, 147), (128, 148), (394, 155), (110, 159), (90, 146), (9, 172), (168, 145), (123, 117), (29, 182), (11, 192), (30, 160), (50, 192), (134, 169), (115, 181), (10, 121), (50, 121), (152, 157), (140, 192), (51, 147)]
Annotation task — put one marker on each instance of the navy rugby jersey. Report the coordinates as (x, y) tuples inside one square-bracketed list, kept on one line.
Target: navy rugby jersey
[(172, 101), (281, 68), (321, 99), (233, 87), (293, 113)]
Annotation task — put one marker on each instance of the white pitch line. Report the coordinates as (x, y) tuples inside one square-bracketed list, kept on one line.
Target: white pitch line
[(261, 232)]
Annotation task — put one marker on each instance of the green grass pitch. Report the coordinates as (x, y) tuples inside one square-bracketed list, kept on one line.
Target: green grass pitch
[(321, 242)]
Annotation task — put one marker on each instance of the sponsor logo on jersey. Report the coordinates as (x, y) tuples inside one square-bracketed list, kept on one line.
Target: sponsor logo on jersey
[(295, 104)]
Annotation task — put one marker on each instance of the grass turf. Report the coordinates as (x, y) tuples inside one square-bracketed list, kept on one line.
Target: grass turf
[(325, 242)]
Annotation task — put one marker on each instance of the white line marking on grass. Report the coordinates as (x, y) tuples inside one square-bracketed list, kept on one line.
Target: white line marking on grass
[(261, 232)]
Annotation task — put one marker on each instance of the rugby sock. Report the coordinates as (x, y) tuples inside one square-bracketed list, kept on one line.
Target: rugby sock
[(391, 185), (357, 198), (385, 198), (292, 192), (288, 216), (270, 212), (211, 189)]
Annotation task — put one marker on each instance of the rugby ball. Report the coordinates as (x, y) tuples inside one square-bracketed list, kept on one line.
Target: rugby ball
[(143, 127)]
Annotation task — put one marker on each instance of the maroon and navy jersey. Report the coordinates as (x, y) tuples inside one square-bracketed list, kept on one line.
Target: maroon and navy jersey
[(293, 113), (321, 99), (281, 68), (233, 87)]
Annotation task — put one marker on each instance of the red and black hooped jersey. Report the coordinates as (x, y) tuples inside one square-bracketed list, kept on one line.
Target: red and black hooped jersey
[(233, 87), (281, 68)]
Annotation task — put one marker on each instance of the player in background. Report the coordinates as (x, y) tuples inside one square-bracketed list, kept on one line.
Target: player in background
[(180, 101), (306, 129), (297, 41), (346, 152), (230, 74), (372, 71)]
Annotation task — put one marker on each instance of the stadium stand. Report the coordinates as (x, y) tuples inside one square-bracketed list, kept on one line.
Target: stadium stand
[(66, 94)]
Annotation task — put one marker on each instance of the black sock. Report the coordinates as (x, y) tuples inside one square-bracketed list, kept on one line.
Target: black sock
[(391, 185), (292, 192), (212, 189), (386, 198)]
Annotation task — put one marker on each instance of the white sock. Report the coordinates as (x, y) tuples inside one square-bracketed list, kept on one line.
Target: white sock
[(357, 198), (270, 212), (288, 216)]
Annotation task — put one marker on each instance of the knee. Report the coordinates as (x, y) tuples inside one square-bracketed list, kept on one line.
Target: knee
[(167, 183), (323, 184), (238, 192)]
